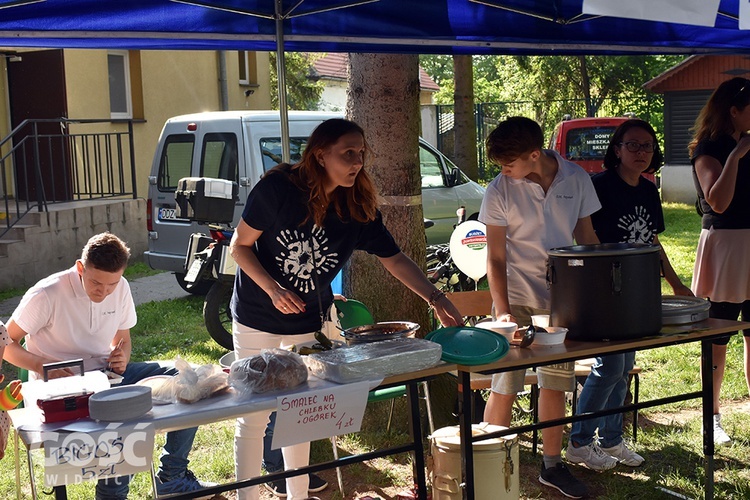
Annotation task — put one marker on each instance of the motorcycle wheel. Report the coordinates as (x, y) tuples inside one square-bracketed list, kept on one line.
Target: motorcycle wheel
[(217, 316), (200, 288)]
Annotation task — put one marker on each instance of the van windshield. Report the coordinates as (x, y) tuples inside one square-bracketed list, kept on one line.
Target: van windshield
[(588, 143), (270, 150)]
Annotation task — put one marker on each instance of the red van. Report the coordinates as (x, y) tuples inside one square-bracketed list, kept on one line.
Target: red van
[(584, 140)]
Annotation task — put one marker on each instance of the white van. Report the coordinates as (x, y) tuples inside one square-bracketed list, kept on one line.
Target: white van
[(241, 146)]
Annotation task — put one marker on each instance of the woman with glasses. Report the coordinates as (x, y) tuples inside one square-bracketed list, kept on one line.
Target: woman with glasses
[(631, 213), (721, 172)]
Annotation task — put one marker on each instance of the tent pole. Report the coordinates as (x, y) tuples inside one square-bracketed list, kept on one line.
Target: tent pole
[(281, 80)]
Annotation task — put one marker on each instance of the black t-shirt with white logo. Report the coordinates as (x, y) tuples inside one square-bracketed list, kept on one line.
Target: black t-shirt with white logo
[(629, 214), (277, 207)]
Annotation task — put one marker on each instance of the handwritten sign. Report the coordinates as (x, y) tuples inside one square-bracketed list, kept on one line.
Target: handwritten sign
[(319, 414), (74, 457)]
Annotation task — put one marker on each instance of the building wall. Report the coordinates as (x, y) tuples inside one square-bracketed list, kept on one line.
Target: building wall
[(171, 82)]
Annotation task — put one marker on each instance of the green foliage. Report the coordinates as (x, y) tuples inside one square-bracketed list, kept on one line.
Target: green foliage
[(303, 89)]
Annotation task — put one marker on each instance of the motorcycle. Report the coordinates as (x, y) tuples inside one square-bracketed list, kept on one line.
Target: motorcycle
[(208, 259)]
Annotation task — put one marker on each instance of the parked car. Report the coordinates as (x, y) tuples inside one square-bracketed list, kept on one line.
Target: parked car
[(241, 146)]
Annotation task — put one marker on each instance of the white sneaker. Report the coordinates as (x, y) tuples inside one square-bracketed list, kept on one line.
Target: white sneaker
[(591, 456), (720, 436), (624, 455)]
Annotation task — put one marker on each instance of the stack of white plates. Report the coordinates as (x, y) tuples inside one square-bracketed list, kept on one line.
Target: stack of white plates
[(120, 403)]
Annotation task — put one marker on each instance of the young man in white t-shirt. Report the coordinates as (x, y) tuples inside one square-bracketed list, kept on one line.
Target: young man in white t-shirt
[(540, 201), (87, 312)]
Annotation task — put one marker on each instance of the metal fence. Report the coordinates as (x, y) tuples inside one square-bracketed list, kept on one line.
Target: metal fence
[(647, 106), (48, 161)]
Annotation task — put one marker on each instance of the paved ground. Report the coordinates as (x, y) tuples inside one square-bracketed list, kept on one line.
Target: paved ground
[(160, 286)]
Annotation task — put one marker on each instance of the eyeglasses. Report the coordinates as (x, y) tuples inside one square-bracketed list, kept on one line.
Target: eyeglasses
[(634, 146)]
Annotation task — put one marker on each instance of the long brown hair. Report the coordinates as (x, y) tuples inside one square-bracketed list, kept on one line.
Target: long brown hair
[(715, 119), (358, 202)]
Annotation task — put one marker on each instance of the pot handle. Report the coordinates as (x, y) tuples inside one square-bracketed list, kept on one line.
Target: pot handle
[(550, 273), (616, 277)]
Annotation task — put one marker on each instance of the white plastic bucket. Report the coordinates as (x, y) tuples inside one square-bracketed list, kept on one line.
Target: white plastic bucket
[(492, 479)]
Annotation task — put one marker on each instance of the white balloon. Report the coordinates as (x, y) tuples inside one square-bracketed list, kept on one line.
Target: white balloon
[(468, 247)]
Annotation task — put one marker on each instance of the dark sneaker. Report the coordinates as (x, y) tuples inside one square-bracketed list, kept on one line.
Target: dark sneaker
[(317, 484), (183, 484), (560, 478), (278, 488)]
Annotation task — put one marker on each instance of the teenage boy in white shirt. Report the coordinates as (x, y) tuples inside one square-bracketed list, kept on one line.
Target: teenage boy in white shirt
[(538, 202)]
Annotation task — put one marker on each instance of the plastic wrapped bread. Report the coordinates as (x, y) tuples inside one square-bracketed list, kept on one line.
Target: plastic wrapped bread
[(271, 370), (374, 359)]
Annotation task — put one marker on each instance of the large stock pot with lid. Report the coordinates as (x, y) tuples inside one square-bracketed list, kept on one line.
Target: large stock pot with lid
[(610, 291)]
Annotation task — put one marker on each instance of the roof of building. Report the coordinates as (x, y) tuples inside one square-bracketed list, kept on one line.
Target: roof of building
[(700, 72), (333, 65)]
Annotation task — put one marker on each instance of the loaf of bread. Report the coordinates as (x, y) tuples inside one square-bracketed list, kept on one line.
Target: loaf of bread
[(271, 370)]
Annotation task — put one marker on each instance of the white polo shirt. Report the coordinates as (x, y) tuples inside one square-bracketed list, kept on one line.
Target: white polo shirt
[(63, 323), (537, 222)]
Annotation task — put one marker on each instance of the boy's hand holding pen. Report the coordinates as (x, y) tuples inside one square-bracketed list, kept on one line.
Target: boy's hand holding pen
[(117, 362)]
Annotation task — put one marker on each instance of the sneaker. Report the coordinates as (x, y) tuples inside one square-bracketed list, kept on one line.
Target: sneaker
[(278, 487), (624, 455), (591, 456), (560, 478), (720, 436), (317, 484), (183, 484)]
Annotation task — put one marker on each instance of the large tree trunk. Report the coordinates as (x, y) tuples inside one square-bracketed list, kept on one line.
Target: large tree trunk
[(383, 98), (465, 145)]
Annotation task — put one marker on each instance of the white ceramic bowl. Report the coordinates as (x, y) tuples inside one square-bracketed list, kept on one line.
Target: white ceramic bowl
[(555, 335), (504, 328)]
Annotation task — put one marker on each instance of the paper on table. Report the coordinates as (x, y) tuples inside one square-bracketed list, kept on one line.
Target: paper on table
[(694, 12)]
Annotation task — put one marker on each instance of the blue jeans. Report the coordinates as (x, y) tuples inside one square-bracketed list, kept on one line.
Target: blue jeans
[(273, 460), (173, 458), (605, 387)]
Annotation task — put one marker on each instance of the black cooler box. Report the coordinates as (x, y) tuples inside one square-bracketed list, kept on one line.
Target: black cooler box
[(203, 199)]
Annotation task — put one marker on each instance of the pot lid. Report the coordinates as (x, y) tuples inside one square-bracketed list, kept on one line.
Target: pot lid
[(603, 250), (467, 345), (677, 309)]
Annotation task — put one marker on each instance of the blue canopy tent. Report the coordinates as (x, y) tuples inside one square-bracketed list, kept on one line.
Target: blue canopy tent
[(393, 26), (398, 26)]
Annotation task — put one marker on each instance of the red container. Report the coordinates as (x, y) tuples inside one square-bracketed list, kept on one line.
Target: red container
[(65, 407)]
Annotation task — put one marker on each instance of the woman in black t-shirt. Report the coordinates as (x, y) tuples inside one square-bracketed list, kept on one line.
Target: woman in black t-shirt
[(721, 173), (631, 213), (300, 225)]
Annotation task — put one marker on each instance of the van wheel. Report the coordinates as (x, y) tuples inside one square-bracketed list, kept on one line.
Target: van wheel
[(217, 316), (200, 288)]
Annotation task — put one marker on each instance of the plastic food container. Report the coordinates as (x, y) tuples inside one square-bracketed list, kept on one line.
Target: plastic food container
[(374, 360), (555, 335)]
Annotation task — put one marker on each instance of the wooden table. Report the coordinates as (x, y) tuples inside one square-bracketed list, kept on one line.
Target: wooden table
[(171, 417), (521, 359)]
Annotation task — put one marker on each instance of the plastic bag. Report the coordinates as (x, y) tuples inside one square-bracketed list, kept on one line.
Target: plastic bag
[(271, 370), (191, 385)]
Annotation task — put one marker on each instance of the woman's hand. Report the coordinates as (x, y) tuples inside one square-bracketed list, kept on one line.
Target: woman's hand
[(287, 301), (446, 312), (683, 291)]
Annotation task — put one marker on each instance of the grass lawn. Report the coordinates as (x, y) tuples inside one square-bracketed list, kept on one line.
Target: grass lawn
[(668, 437)]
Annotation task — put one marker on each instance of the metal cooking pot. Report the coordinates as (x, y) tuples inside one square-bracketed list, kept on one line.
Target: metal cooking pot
[(610, 291), (385, 330)]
